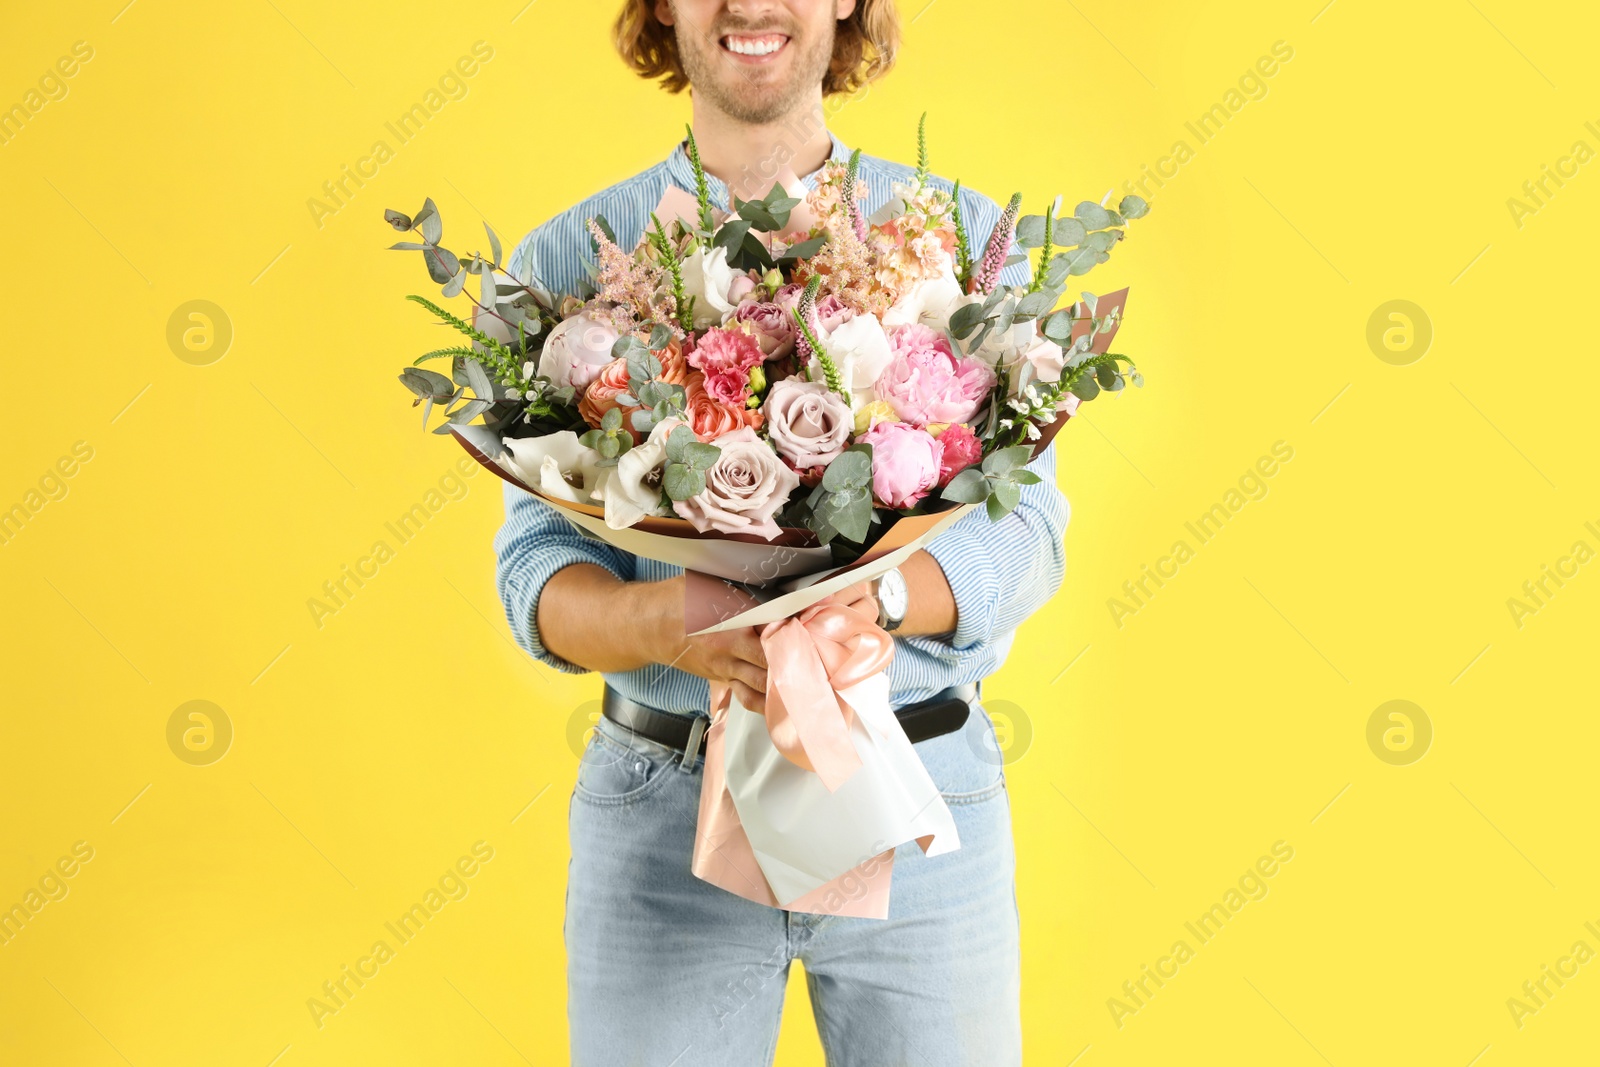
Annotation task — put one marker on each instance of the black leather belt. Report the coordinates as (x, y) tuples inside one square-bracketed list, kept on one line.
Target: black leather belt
[(942, 713)]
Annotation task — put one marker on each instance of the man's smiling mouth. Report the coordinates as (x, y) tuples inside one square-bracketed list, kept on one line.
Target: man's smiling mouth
[(754, 46)]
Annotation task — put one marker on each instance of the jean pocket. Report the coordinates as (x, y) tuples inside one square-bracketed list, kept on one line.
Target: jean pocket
[(613, 774)]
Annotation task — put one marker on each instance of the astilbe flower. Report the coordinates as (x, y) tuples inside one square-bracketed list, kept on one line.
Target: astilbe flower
[(636, 288), (987, 274)]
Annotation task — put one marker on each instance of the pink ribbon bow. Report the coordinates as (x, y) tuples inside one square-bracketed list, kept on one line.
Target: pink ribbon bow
[(811, 656)]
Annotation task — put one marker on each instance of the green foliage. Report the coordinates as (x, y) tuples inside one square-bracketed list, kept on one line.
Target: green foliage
[(609, 439), (682, 303), (702, 191), (922, 150), (997, 482), (802, 317), (840, 506), (688, 459), (963, 246)]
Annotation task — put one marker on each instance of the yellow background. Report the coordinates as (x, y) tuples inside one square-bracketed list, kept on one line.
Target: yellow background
[(1167, 754)]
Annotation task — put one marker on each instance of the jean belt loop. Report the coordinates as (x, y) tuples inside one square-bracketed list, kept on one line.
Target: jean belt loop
[(697, 730)]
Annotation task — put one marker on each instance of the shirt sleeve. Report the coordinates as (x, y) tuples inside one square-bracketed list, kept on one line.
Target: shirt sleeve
[(532, 544), (1002, 572)]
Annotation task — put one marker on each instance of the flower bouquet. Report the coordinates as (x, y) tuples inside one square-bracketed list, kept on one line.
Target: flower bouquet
[(786, 397)]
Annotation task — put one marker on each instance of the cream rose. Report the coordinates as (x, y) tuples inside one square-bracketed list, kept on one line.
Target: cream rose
[(860, 349), (745, 487), (708, 278), (808, 424)]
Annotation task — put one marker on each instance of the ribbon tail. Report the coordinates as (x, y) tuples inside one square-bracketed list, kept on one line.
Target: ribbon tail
[(722, 854), (806, 722)]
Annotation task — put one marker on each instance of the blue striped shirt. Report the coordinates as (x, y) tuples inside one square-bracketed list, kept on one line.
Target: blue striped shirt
[(999, 572)]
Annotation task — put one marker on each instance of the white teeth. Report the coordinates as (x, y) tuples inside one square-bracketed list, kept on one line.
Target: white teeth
[(762, 47)]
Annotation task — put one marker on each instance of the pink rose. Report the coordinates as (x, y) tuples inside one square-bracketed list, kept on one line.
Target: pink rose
[(770, 324), (959, 449), (725, 357), (926, 382), (743, 285), (809, 425), (576, 350), (905, 463), (832, 313), (745, 487)]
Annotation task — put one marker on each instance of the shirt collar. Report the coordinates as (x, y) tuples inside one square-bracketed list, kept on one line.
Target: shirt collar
[(681, 170)]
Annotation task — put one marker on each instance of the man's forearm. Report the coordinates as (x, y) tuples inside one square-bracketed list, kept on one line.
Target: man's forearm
[(586, 616), (930, 608)]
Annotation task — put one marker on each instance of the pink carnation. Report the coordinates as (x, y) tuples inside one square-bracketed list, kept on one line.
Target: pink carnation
[(905, 463), (725, 357), (926, 382), (959, 449)]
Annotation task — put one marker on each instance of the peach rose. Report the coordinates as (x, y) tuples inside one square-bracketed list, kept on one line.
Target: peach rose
[(709, 417)]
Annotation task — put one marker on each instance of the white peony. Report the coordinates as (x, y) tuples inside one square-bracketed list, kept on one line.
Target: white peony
[(559, 466), (708, 278), (860, 349), (576, 350), (930, 302), (634, 489)]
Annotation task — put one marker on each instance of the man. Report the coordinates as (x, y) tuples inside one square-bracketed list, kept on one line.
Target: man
[(665, 968)]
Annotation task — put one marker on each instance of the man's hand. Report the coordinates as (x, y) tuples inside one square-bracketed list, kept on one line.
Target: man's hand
[(733, 657), (858, 597)]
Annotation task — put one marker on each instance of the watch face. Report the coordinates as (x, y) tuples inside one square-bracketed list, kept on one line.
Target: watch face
[(893, 595)]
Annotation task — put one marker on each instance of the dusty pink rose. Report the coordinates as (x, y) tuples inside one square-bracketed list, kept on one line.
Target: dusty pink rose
[(905, 463), (832, 313), (959, 449), (745, 487), (577, 348), (725, 357), (769, 323), (743, 285), (925, 382), (809, 425)]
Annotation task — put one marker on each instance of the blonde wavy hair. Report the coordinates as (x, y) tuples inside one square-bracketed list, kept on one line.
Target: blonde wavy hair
[(864, 46)]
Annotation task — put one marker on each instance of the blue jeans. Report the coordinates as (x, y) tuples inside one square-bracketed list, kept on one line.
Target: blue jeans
[(664, 969)]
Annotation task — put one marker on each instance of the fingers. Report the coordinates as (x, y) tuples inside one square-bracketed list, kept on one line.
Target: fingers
[(750, 698)]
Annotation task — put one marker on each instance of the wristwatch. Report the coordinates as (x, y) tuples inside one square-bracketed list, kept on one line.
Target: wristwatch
[(893, 598)]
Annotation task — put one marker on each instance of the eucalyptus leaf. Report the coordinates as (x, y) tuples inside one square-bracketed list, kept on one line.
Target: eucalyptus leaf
[(1069, 231), (1092, 215), (1134, 207), (967, 487), (398, 220), (1030, 231), (494, 243)]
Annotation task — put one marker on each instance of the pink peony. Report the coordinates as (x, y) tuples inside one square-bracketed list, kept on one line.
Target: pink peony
[(905, 463), (926, 382), (959, 449), (770, 324), (725, 357)]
